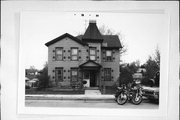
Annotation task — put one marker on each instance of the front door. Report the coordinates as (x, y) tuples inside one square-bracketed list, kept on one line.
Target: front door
[(92, 79)]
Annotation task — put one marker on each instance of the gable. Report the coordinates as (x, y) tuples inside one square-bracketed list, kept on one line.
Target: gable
[(90, 64), (62, 37)]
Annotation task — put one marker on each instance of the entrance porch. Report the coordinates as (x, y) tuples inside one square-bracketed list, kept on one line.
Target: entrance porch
[(91, 74)]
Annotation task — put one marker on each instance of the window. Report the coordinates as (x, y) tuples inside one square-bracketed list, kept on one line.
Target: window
[(108, 55), (74, 53), (92, 53), (74, 74), (59, 74), (107, 74), (59, 53)]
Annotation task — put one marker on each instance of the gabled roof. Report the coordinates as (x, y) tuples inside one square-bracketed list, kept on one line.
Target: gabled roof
[(63, 36), (92, 33), (111, 40), (90, 63)]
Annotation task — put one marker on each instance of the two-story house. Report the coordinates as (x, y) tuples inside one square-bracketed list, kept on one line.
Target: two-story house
[(92, 57)]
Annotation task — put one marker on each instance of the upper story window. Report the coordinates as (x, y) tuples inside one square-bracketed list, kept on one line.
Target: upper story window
[(108, 55), (74, 53), (92, 53), (59, 53)]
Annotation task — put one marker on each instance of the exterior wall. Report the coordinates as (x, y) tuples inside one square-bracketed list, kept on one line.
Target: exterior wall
[(67, 64), (66, 43), (114, 65)]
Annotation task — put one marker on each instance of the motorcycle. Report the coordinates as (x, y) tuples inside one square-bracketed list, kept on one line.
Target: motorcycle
[(124, 94), (120, 95)]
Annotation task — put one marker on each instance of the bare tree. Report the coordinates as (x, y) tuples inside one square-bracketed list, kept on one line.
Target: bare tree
[(109, 31), (152, 67), (43, 77), (157, 56), (104, 30)]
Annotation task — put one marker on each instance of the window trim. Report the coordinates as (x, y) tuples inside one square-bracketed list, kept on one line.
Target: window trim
[(56, 69), (75, 55), (56, 53), (109, 56), (77, 73), (105, 74), (94, 54)]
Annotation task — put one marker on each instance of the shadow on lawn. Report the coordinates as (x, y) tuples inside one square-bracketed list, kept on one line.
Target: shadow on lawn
[(108, 90), (53, 91)]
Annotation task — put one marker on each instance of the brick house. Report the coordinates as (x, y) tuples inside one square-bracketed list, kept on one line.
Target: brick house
[(91, 57)]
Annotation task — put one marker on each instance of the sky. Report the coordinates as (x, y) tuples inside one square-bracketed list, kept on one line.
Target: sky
[(141, 33)]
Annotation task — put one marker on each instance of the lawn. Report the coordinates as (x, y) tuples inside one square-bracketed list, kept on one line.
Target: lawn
[(51, 91), (110, 90)]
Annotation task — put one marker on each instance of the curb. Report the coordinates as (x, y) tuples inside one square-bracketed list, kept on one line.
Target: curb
[(70, 97)]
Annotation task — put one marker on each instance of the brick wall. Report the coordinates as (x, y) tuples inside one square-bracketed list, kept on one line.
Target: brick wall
[(114, 67), (67, 43)]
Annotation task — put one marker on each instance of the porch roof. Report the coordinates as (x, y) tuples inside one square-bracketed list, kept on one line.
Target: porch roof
[(90, 65)]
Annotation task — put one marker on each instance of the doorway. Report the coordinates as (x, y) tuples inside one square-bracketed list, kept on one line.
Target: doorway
[(92, 78)]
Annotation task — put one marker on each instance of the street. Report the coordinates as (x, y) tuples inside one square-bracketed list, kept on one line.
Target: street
[(88, 103)]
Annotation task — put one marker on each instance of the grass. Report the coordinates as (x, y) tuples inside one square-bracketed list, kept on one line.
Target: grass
[(50, 91), (110, 90)]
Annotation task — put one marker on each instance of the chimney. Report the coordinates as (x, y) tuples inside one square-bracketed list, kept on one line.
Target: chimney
[(92, 21)]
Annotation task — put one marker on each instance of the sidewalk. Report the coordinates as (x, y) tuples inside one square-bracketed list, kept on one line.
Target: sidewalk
[(69, 97)]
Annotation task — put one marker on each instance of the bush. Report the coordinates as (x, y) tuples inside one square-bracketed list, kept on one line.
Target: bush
[(27, 87), (43, 78)]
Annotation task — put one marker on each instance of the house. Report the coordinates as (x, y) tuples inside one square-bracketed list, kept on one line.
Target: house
[(91, 57), (31, 79), (31, 73)]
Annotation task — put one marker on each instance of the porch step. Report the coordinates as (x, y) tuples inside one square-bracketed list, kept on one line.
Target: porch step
[(92, 92), (92, 88), (56, 89)]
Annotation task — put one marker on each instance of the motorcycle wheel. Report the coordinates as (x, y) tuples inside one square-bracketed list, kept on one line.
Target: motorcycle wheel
[(136, 99), (122, 98)]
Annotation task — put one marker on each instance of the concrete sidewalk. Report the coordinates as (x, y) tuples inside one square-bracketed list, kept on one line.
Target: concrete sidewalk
[(69, 97)]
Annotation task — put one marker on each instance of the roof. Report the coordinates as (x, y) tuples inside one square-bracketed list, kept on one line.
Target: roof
[(90, 63), (30, 73), (111, 40), (92, 33), (63, 36)]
